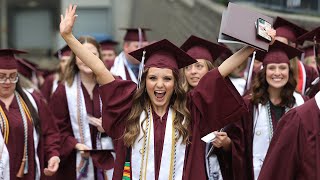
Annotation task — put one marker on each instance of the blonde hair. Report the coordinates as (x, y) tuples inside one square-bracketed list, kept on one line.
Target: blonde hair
[(183, 79)]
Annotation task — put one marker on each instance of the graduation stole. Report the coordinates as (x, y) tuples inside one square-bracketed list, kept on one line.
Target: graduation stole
[(212, 164), (119, 68), (317, 124), (173, 152), (4, 160), (80, 126), (263, 132), (25, 113), (81, 129)]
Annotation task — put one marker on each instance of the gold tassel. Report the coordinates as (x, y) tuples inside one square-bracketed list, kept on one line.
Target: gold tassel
[(20, 173)]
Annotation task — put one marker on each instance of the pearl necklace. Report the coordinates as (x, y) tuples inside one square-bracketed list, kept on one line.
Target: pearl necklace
[(270, 124)]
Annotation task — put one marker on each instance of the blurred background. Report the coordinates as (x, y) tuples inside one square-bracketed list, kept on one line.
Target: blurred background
[(33, 25)]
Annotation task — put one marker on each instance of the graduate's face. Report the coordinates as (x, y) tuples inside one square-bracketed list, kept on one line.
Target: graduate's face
[(82, 67), (195, 72), (130, 46), (7, 88), (160, 86), (108, 55), (277, 74)]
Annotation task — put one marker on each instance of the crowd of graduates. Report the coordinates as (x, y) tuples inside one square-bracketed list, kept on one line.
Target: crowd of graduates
[(141, 114)]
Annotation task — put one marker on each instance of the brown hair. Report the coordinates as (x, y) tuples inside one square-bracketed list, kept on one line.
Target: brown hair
[(141, 100), (183, 79), (71, 67), (260, 89)]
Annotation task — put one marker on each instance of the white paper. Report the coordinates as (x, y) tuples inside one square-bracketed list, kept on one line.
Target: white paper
[(208, 138)]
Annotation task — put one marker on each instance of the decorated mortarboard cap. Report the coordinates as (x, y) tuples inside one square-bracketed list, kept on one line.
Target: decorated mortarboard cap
[(108, 44), (26, 68), (288, 29), (64, 51), (313, 35), (199, 48), (135, 34), (278, 53), (163, 54), (8, 59)]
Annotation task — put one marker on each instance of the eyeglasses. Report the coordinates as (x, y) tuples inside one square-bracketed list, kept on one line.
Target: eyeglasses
[(12, 79)]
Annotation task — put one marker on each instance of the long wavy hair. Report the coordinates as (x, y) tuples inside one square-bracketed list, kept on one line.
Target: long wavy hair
[(71, 67), (183, 79), (260, 87), (141, 101)]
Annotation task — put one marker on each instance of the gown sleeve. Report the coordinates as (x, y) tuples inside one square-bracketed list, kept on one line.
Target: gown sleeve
[(217, 100), (284, 149), (59, 106), (116, 98), (237, 151), (49, 130)]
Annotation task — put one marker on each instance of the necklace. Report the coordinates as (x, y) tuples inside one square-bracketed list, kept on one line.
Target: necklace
[(270, 124)]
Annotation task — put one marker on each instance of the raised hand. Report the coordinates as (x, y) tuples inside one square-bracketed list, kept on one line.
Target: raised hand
[(103, 76), (67, 21), (272, 33)]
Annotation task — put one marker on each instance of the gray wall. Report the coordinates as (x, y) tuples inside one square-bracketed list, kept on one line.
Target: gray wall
[(176, 20), (32, 29)]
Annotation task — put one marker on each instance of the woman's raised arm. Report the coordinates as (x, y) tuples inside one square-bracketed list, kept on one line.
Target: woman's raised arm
[(103, 75), (239, 57)]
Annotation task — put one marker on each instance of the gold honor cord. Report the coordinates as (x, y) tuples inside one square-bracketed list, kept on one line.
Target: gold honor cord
[(173, 148), (5, 125), (5, 128), (26, 109), (146, 147), (142, 151)]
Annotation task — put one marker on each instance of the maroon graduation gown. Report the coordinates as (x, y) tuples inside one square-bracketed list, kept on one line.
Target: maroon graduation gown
[(46, 88), (231, 162), (205, 105), (59, 105), (48, 141), (109, 64), (294, 152), (246, 124), (311, 75)]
